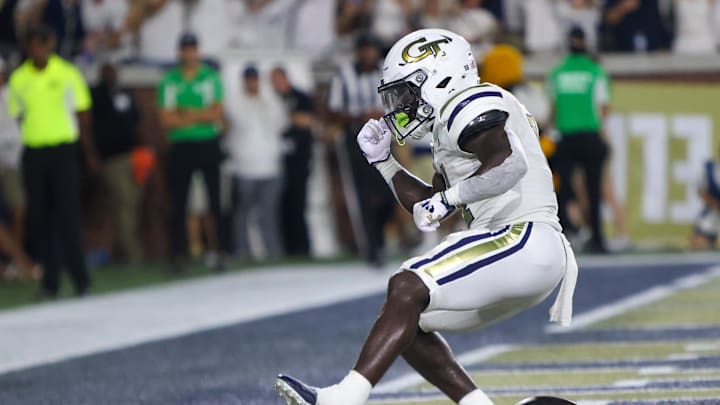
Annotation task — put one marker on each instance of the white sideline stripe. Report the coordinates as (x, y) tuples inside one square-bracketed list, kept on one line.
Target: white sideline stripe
[(469, 358), (634, 383), (636, 300), (56, 331), (702, 347), (632, 260), (657, 370)]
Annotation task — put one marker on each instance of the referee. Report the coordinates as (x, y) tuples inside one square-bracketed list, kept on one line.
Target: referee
[(353, 99), (42, 92), (189, 98), (579, 91)]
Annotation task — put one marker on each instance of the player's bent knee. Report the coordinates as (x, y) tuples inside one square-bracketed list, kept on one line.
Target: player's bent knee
[(407, 286)]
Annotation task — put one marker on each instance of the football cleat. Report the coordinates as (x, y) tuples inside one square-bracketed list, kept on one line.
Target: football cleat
[(545, 400), (294, 391)]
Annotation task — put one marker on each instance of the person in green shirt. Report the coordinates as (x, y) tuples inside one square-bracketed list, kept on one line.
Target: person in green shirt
[(189, 98), (579, 91), (51, 100)]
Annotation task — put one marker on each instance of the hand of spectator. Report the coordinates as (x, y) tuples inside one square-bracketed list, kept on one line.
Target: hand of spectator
[(374, 140)]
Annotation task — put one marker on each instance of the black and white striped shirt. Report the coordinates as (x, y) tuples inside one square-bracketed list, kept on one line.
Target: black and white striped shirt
[(354, 92)]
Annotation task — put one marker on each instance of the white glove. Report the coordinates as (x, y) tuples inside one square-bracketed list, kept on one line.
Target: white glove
[(374, 141), (428, 213)]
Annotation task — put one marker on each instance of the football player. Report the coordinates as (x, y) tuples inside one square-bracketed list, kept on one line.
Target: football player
[(488, 165), (707, 224)]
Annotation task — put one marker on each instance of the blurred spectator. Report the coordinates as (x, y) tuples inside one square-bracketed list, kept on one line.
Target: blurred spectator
[(8, 36), (542, 31), (297, 148), (158, 24), (313, 31), (189, 98), (354, 16), (353, 99), (503, 66), (12, 203), (693, 29), (584, 14), (716, 22), (10, 151), (255, 146), (210, 21), (103, 20), (41, 91), (579, 91), (115, 126), (437, 13), (707, 224), (392, 19), (202, 232), (635, 25), (262, 24), (475, 23), (62, 16)]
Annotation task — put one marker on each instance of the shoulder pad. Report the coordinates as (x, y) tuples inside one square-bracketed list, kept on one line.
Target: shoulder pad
[(481, 123)]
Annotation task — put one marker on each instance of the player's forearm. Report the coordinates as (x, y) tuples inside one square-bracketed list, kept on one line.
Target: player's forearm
[(407, 188)]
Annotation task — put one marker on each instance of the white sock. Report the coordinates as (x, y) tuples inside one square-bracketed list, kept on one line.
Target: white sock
[(354, 389), (476, 397)]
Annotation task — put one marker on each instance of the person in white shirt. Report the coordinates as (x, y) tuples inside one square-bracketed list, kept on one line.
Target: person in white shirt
[(392, 19), (255, 148), (103, 21), (475, 23), (693, 21), (162, 24), (584, 14), (542, 31)]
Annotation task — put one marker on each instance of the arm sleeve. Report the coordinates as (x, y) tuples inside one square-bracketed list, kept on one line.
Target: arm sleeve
[(81, 93), (495, 181)]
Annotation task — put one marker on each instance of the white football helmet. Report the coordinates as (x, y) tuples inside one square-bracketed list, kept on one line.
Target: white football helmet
[(420, 73)]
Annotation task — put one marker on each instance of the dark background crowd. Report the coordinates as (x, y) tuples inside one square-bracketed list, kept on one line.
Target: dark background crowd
[(224, 177)]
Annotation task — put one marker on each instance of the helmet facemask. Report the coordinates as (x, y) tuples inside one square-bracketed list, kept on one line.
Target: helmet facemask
[(406, 113)]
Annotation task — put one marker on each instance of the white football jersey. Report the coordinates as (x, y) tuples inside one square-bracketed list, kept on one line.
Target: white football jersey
[(533, 197)]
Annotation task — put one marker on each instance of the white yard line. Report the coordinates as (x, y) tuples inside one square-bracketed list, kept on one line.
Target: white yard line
[(56, 331), (646, 297)]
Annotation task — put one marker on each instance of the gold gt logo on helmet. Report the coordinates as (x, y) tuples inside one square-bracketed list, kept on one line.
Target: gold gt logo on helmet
[(425, 49)]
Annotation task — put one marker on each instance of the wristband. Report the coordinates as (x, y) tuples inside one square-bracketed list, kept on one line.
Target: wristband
[(451, 196), (388, 168)]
